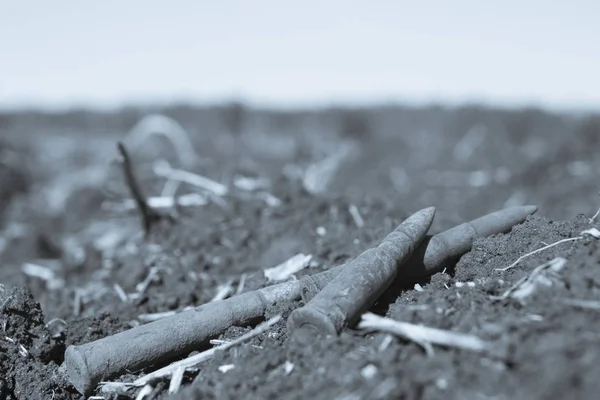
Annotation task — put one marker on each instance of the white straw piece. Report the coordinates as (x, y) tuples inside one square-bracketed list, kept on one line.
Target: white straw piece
[(422, 334), (190, 178), (194, 360), (286, 269)]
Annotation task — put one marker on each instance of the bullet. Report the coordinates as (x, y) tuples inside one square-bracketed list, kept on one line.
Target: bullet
[(439, 250), (361, 282), (170, 338), (175, 337)]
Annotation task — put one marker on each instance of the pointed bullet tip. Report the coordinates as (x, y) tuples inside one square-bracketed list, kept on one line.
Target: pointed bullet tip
[(429, 211), (530, 209), (425, 215)]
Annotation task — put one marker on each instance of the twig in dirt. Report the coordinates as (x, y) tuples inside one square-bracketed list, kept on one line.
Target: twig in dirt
[(115, 388), (319, 175), (151, 317), (44, 273), (385, 343), (241, 284), (361, 283), (585, 304), (77, 303), (538, 251), (170, 188), (217, 342), (120, 292), (358, 220), (160, 202), (594, 216), (592, 232), (543, 275), (23, 351), (5, 303), (250, 184), (143, 286), (38, 271), (166, 171), (149, 216), (218, 200), (223, 291), (286, 269), (157, 342), (205, 355), (421, 334), (145, 391), (176, 379)]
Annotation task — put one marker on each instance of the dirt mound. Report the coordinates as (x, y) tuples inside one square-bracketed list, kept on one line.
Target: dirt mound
[(551, 343), (549, 337), (77, 267), (30, 353)]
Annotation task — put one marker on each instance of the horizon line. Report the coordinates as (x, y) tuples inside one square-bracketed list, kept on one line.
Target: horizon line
[(256, 102)]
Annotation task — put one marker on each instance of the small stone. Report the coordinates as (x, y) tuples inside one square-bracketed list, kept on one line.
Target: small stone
[(441, 383), (288, 367), (226, 368), (369, 371)]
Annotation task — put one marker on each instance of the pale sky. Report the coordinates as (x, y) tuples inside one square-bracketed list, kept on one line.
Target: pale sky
[(59, 53)]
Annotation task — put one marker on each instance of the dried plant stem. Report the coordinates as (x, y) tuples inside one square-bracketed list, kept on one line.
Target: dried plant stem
[(527, 285), (585, 304), (205, 355), (176, 379), (358, 219), (538, 251), (149, 216), (422, 334), (191, 178), (594, 216), (145, 391)]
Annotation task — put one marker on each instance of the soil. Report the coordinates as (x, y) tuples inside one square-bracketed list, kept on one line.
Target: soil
[(466, 162)]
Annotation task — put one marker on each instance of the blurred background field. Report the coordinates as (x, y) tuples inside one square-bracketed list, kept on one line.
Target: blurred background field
[(472, 158)]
